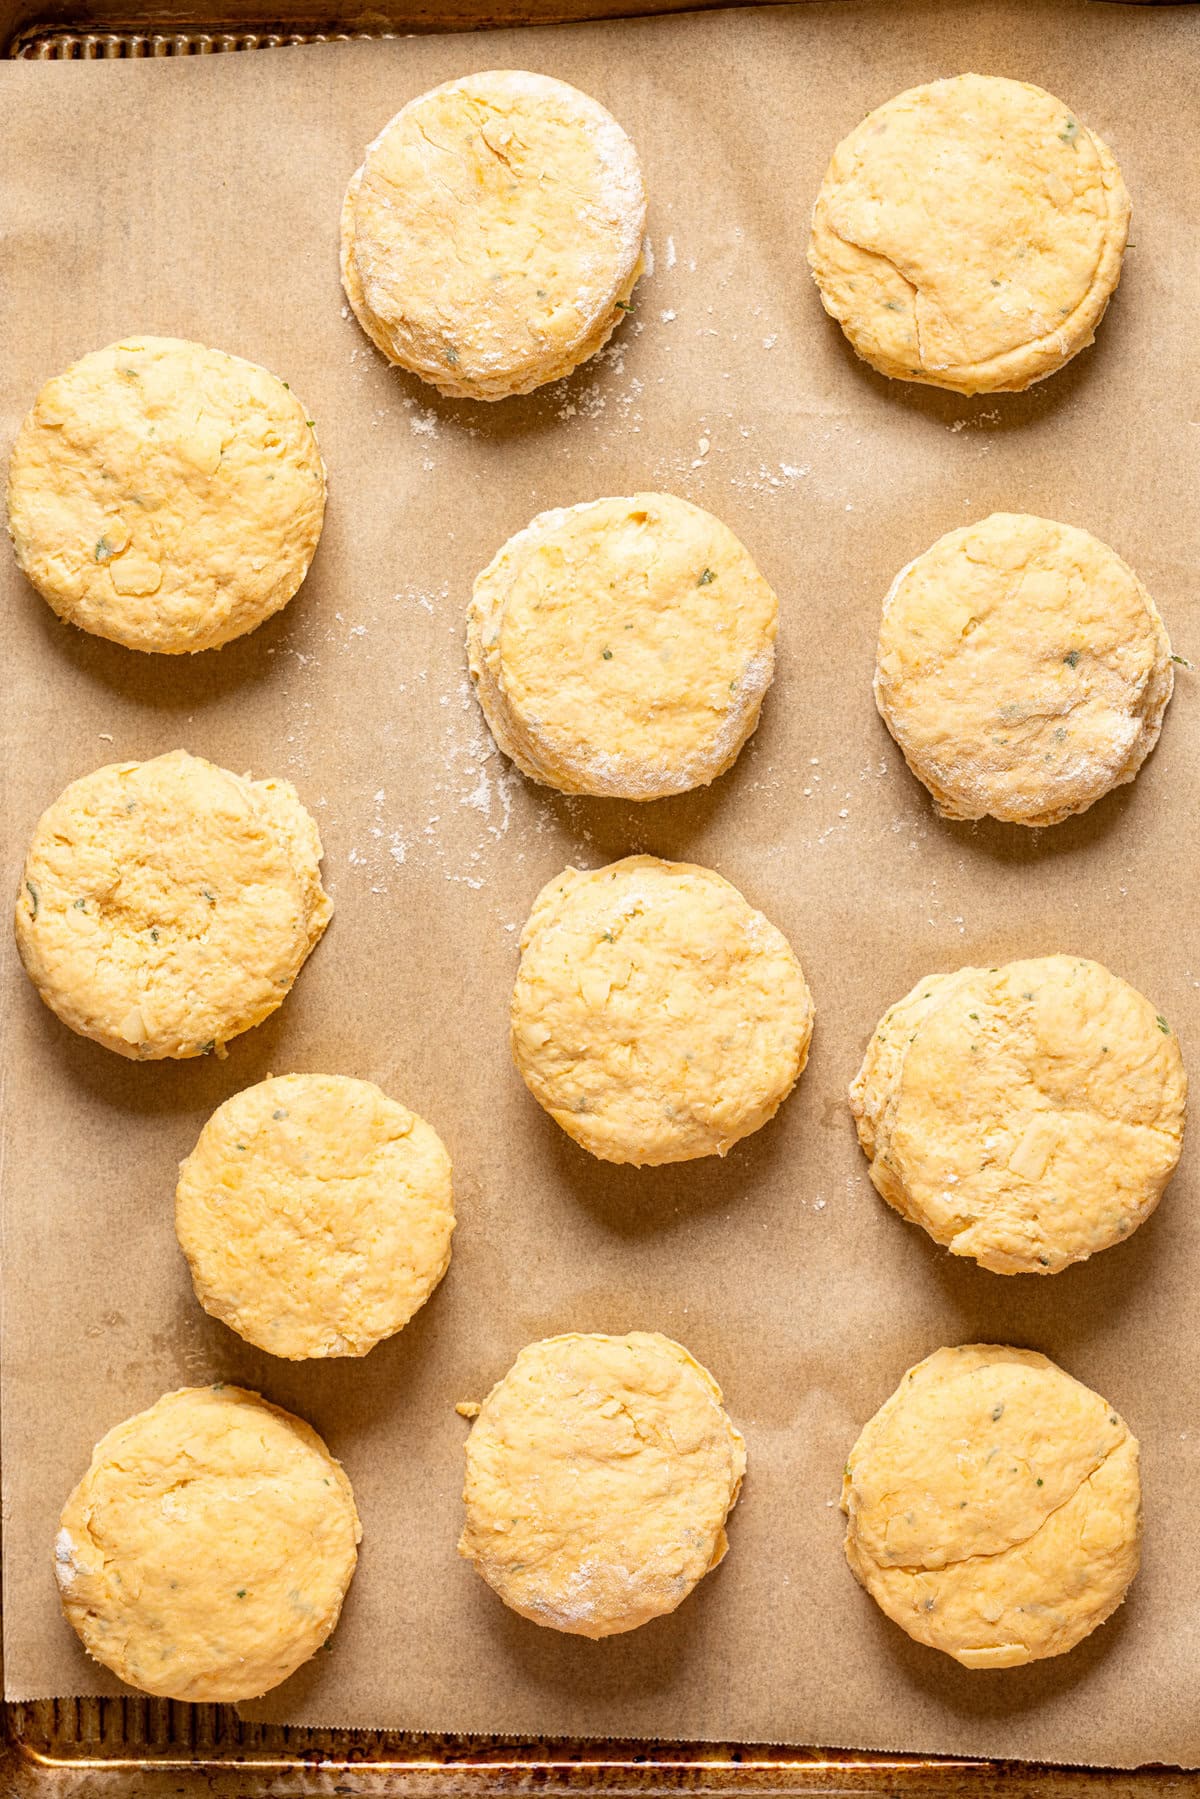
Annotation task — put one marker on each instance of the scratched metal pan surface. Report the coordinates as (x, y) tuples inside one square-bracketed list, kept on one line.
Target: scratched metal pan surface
[(80, 1748)]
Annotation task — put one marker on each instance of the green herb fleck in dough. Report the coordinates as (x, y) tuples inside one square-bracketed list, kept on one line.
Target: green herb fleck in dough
[(279, 1112), (706, 577), (451, 356), (218, 1386), (1182, 661), (1162, 1024), (240, 1146), (607, 937), (1045, 1261), (311, 423), (1072, 658), (892, 305), (208, 896), (997, 1411), (241, 1592), (1041, 1482), (32, 891), (1070, 131), (80, 905), (625, 305), (206, 1049), (995, 281), (104, 551), (153, 933), (607, 655)]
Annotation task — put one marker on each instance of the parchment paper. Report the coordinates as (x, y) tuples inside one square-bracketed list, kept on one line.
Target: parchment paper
[(201, 198)]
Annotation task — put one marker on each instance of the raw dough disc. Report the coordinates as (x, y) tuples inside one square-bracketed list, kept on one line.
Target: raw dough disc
[(600, 1473), (492, 238), (622, 647), (1023, 669), (168, 905), (969, 234), (656, 1015), (206, 1552), (994, 1506), (1026, 1116), (166, 496), (315, 1214)]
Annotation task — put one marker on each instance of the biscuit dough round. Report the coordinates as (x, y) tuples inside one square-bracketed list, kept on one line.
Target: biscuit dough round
[(1025, 1116), (969, 234), (492, 238), (1023, 669), (166, 496), (994, 1506), (622, 647), (206, 1552), (316, 1215), (600, 1473), (168, 905), (656, 1015)]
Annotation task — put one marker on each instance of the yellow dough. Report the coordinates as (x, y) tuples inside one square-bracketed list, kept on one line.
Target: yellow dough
[(600, 1473), (656, 1015), (1026, 1116), (1023, 669), (994, 1506), (166, 496), (492, 238), (316, 1215), (969, 234), (167, 905), (206, 1552), (622, 647)]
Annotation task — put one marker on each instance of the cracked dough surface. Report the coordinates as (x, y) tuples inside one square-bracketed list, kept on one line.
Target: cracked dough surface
[(1025, 1116), (600, 1473), (1023, 669), (316, 1214), (168, 905), (656, 1015), (969, 234), (994, 1506), (206, 1552), (166, 496), (492, 238), (622, 647)]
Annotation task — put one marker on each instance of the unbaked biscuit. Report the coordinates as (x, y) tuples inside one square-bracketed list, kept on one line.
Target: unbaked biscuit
[(316, 1214), (656, 1015), (600, 1474), (492, 238), (622, 647), (206, 1552), (168, 905), (994, 1506), (969, 234), (1022, 668), (1025, 1116), (166, 496)]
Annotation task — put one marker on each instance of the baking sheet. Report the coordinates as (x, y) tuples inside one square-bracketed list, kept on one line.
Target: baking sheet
[(201, 198)]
